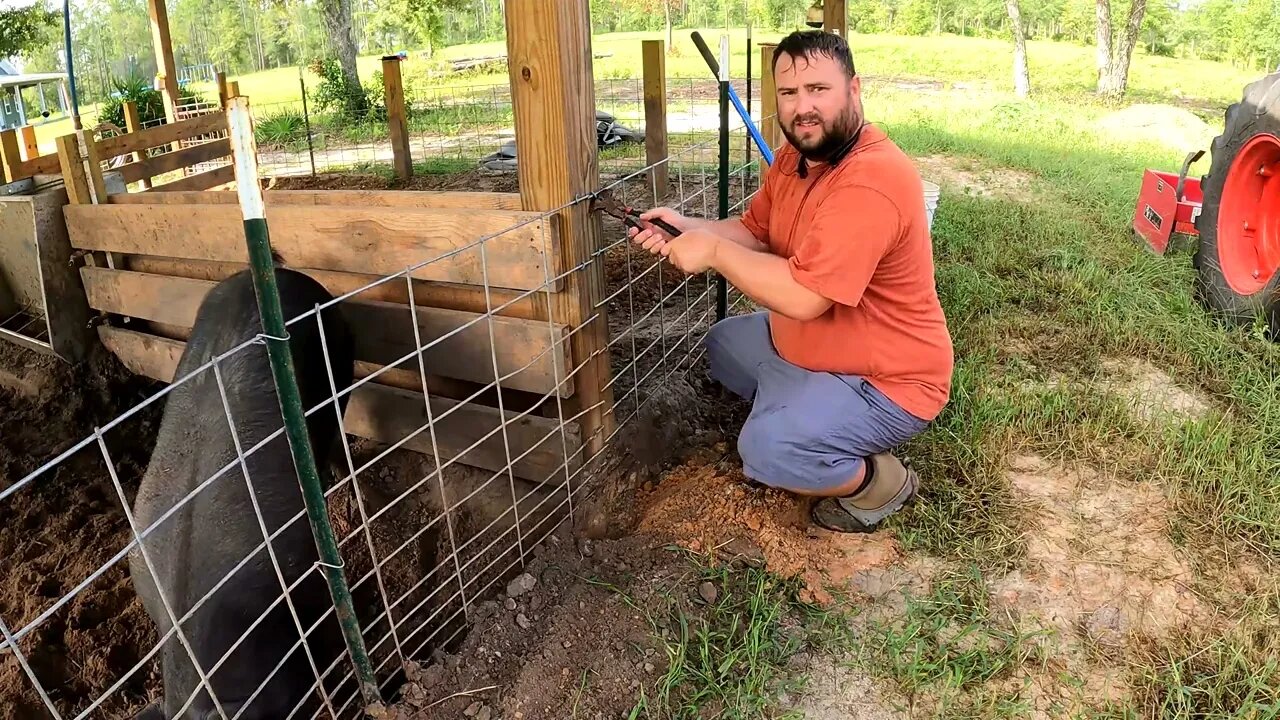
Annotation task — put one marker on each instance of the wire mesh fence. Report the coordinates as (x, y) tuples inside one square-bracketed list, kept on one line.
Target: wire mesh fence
[(195, 506), (453, 127)]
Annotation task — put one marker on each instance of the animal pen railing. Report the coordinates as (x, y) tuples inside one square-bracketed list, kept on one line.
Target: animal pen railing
[(465, 356)]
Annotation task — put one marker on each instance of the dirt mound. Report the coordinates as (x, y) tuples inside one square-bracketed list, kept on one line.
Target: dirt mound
[(552, 646), (471, 181), (712, 508), (1176, 127)]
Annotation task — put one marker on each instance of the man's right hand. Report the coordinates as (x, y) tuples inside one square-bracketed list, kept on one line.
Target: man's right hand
[(652, 237)]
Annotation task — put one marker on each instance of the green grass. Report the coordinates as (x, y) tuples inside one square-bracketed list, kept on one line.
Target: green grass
[(945, 645), (728, 657)]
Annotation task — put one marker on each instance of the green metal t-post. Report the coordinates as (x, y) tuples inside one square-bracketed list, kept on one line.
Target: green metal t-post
[(244, 150)]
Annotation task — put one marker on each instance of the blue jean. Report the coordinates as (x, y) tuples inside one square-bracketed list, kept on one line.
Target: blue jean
[(808, 431)]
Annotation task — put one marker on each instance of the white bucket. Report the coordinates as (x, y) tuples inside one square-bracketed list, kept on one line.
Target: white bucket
[(931, 194)]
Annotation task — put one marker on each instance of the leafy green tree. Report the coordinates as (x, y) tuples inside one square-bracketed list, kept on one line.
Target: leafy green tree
[(25, 29)]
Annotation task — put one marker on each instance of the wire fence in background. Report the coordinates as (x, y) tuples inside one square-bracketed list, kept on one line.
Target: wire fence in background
[(459, 127), (425, 534)]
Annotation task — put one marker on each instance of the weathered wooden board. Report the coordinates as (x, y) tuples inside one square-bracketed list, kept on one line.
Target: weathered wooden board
[(388, 415), (354, 198), (347, 239), (199, 181), (160, 164), (384, 331), (467, 298), (162, 135)]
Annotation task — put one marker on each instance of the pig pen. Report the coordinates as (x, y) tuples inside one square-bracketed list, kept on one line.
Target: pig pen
[(669, 477)]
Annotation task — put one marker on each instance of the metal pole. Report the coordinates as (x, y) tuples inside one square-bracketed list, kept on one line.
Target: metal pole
[(71, 71), (747, 161), (722, 289), (306, 119), (258, 240)]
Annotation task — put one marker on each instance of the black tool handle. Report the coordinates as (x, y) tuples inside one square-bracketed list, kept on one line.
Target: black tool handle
[(668, 227), (706, 53)]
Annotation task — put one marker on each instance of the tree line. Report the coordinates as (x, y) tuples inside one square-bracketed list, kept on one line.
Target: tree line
[(112, 38)]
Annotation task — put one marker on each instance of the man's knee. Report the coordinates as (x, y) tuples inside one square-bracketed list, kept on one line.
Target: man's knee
[(789, 452), (735, 348)]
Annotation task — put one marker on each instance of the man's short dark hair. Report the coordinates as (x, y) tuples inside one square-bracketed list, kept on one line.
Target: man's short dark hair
[(811, 43)]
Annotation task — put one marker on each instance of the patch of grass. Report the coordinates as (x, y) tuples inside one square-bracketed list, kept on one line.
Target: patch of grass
[(946, 653), (285, 128), (727, 658)]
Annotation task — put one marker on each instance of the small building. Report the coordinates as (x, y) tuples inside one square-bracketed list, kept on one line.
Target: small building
[(15, 111)]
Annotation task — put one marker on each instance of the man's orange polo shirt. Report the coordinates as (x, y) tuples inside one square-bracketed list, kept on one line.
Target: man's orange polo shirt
[(858, 235)]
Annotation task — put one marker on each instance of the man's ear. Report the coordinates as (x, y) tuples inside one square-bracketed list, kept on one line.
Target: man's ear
[(855, 85)]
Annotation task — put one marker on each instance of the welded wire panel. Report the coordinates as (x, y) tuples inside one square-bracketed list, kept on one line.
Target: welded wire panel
[(428, 534)]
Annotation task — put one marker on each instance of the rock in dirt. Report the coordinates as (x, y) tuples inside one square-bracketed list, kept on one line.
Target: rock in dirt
[(1107, 626), (585, 547), (521, 585), (486, 609), (707, 591), (510, 604), (523, 621), (484, 714), (432, 676), (473, 709)]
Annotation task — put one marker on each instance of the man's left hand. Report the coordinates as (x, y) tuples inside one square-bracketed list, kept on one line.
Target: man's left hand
[(692, 252)]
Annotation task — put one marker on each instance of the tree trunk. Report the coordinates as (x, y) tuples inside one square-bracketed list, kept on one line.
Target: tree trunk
[(1021, 73), (666, 6), (1118, 78), (336, 15), (1103, 40)]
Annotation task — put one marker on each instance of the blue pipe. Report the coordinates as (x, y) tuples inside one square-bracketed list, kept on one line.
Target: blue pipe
[(733, 98)]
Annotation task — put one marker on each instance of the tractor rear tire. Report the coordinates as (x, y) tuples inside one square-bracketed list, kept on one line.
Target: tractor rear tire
[(1225, 283)]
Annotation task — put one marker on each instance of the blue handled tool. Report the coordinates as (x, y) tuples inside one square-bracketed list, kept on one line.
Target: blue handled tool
[(733, 98)]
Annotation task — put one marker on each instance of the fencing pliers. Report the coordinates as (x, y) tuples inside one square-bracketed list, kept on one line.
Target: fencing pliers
[(604, 200)]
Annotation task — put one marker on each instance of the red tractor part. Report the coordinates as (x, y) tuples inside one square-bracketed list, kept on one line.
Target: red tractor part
[(1238, 259), (1249, 216), (1168, 206)]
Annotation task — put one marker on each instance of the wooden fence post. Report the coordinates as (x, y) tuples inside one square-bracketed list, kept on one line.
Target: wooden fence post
[(132, 124), (835, 18), (10, 158), (768, 103), (221, 79), (549, 48), (30, 147), (655, 115), (81, 173), (393, 92), (233, 89)]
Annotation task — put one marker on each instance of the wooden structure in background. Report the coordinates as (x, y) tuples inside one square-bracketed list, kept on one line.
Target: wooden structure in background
[(162, 277), (397, 122), (835, 17), (151, 256), (655, 114), (163, 46)]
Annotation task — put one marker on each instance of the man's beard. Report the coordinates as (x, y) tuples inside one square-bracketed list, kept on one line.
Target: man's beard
[(832, 139)]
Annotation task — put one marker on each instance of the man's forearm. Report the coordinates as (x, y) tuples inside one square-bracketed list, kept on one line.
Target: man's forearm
[(766, 279), (730, 229)]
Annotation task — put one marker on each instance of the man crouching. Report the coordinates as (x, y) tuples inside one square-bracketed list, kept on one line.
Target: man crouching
[(852, 357)]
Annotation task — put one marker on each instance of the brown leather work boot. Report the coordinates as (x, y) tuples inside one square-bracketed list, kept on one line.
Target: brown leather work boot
[(892, 486)]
